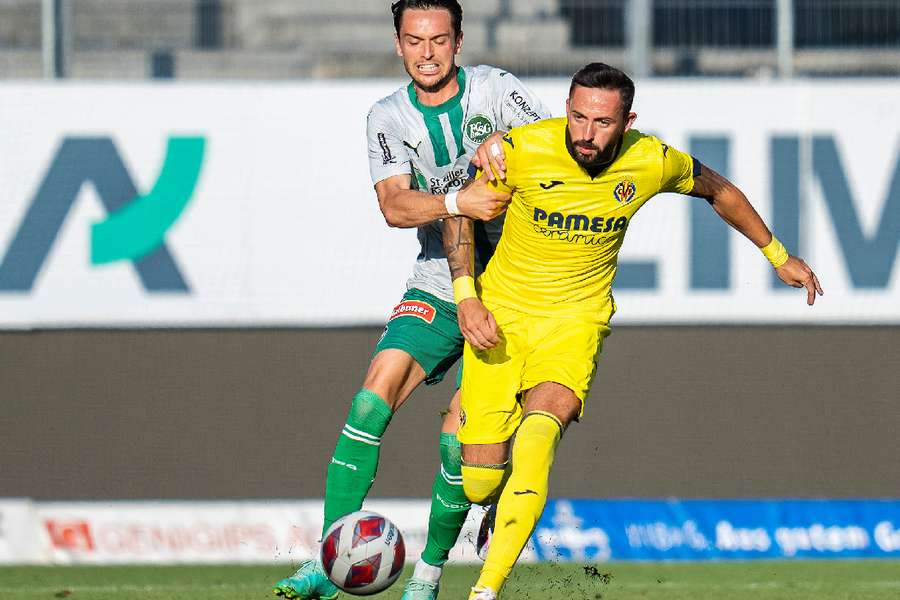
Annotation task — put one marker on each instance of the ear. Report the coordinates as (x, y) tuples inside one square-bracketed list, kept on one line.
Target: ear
[(629, 120), (459, 40), (397, 46)]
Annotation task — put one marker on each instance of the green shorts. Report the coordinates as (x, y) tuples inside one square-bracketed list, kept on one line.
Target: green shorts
[(424, 327)]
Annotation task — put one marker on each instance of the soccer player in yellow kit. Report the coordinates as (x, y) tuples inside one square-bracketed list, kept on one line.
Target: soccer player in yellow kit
[(536, 326)]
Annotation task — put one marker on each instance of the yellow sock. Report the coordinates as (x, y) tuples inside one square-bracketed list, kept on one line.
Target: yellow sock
[(482, 482), (523, 497)]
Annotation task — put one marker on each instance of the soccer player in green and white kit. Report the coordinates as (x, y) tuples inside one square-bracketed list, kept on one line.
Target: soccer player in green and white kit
[(421, 140)]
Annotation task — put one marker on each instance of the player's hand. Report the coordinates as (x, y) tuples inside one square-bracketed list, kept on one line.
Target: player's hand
[(477, 324), (480, 200), (796, 273), (490, 156)]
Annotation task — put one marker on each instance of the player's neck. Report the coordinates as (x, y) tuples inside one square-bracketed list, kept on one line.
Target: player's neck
[(444, 91)]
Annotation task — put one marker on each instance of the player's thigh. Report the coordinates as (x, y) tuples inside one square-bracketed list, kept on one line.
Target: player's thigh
[(423, 329), (491, 384), (564, 352)]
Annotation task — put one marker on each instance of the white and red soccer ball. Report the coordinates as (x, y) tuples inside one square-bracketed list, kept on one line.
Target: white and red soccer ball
[(363, 553)]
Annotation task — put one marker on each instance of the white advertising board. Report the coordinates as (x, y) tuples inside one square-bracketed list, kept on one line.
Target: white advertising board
[(21, 540), (233, 205), (216, 532)]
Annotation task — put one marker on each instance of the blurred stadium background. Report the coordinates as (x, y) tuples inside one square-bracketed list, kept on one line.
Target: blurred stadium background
[(232, 387)]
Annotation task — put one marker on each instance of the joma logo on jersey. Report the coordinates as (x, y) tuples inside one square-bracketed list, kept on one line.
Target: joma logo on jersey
[(478, 128), (625, 191), (136, 223), (414, 308), (579, 222)]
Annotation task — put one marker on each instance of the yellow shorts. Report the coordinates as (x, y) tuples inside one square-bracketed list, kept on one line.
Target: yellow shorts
[(532, 350)]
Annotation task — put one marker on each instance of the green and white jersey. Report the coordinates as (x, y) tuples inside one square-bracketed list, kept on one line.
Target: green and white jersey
[(435, 143)]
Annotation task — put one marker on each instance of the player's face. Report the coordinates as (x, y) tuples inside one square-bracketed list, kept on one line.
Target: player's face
[(428, 45), (596, 121)]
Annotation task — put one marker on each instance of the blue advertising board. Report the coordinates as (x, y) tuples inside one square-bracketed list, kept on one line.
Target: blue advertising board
[(600, 530)]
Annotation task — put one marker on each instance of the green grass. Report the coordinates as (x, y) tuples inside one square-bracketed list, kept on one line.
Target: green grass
[(800, 580)]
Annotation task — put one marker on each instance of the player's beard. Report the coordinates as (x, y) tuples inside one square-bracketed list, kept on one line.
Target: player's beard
[(437, 86), (603, 157)]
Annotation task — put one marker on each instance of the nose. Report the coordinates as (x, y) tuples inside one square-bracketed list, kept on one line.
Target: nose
[(587, 132), (428, 49)]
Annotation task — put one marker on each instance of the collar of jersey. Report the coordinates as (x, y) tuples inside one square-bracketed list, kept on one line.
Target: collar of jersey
[(447, 106)]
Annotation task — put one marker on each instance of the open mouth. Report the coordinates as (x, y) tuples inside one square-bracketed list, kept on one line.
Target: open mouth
[(428, 69)]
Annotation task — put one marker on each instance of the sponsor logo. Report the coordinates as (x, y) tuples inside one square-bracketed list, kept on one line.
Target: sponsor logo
[(71, 535), (451, 180), (576, 222), (414, 308), (413, 148), (624, 191), (568, 538), (136, 225), (387, 157), (508, 139), (517, 100), (478, 128), (462, 417), (553, 183)]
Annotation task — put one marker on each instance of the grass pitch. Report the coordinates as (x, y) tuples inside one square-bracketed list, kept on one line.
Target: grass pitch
[(787, 580)]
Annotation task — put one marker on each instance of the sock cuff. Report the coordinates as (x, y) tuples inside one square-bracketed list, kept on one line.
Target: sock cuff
[(543, 424), (449, 439), (369, 414)]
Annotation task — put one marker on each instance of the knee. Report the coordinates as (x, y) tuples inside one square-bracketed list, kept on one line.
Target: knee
[(482, 483)]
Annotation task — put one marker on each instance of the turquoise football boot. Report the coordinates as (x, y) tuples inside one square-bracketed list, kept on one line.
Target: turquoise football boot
[(309, 583), (419, 589)]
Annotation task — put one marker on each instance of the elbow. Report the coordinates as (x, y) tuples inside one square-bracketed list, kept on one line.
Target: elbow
[(391, 217)]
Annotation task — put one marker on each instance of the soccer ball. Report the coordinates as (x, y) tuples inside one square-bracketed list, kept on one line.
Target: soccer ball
[(363, 553)]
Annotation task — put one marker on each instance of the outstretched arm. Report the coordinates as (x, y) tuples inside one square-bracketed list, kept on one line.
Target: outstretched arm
[(404, 207), (732, 206), (476, 323)]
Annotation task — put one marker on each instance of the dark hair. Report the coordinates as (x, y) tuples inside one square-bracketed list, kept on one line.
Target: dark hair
[(456, 11), (605, 77)]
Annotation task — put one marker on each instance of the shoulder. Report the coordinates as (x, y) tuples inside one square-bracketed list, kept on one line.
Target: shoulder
[(485, 73), (638, 146), (388, 107), (547, 129)]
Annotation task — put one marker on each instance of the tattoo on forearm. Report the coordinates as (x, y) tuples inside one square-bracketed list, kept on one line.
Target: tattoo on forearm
[(459, 246)]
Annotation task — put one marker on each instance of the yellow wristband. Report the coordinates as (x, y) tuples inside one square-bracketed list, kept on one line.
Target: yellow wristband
[(464, 287), (775, 252)]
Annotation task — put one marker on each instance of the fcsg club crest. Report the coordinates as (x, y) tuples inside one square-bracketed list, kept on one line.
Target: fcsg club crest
[(625, 191)]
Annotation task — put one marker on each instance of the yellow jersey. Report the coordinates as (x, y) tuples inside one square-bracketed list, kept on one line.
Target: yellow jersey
[(563, 229)]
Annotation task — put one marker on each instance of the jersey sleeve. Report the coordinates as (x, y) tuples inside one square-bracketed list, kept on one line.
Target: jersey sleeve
[(517, 105), (679, 170), (387, 157)]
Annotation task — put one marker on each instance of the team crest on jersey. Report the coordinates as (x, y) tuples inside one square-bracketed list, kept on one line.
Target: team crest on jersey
[(478, 128), (625, 191), (414, 308)]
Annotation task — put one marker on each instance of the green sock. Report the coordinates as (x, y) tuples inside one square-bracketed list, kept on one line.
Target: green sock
[(449, 505), (355, 460)]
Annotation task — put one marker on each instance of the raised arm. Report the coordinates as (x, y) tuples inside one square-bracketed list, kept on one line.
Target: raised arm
[(732, 206)]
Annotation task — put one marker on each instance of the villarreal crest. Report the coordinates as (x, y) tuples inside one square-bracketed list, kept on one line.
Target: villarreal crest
[(625, 191)]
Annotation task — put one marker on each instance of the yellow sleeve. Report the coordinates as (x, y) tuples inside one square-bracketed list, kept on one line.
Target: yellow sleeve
[(509, 153), (679, 170)]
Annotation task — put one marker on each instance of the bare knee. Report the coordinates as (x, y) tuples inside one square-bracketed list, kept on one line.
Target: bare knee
[(555, 399), (450, 422), (393, 375)]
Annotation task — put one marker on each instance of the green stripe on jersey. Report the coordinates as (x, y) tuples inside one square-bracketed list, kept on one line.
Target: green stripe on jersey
[(431, 115)]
